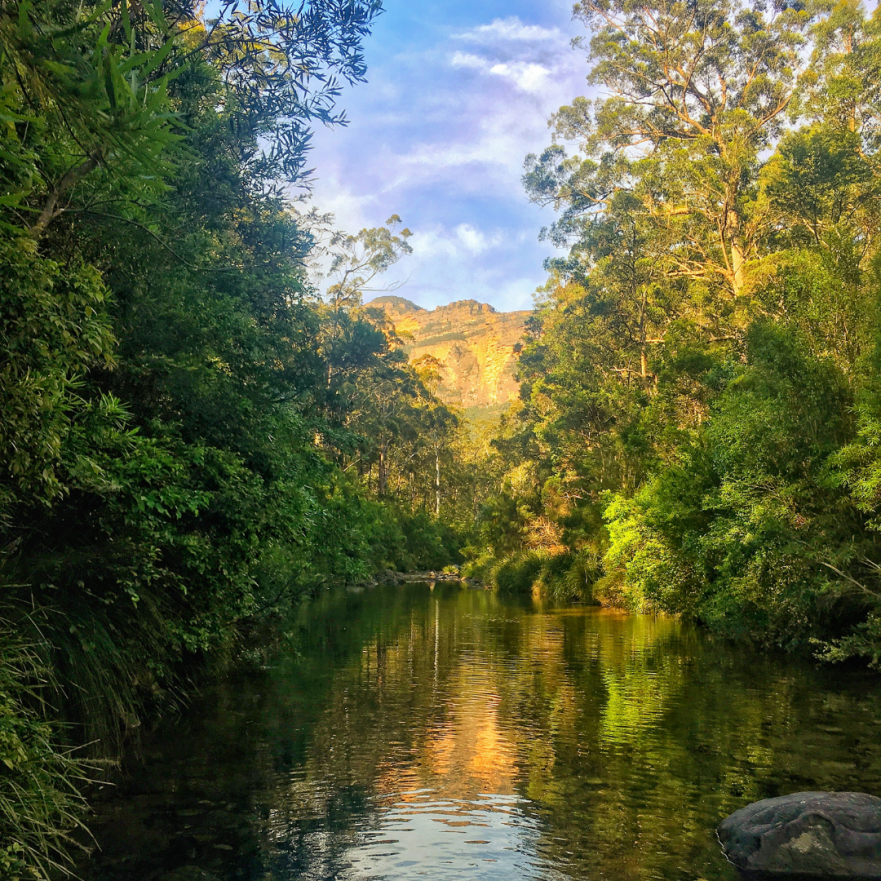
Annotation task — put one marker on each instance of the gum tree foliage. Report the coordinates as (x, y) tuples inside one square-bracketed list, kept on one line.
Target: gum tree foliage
[(701, 373), (697, 91), (396, 432)]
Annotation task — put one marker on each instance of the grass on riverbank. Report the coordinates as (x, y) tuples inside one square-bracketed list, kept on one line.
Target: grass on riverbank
[(40, 800), (564, 577)]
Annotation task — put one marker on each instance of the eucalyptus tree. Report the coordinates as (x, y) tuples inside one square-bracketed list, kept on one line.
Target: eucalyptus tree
[(707, 350), (661, 209), (440, 420), (691, 94), (98, 126)]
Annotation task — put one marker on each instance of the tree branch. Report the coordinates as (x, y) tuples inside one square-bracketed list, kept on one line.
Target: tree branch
[(50, 206)]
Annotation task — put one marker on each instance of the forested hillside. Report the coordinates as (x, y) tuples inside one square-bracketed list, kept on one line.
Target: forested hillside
[(701, 413), (191, 436)]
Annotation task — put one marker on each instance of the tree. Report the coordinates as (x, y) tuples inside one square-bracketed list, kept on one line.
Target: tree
[(160, 368), (701, 370), (441, 419), (697, 91), (87, 90)]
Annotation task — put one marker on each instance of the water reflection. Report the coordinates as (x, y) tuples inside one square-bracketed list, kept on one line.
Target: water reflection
[(408, 732)]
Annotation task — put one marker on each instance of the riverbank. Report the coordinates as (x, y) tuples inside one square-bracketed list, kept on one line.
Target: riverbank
[(450, 577)]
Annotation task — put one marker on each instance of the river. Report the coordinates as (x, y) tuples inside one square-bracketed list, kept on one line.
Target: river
[(421, 731)]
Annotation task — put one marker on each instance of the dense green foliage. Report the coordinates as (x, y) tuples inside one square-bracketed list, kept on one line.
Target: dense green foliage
[(700, 414), (192, 437)]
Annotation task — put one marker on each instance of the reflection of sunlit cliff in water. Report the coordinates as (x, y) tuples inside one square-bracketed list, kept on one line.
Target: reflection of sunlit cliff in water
[(468, 752)]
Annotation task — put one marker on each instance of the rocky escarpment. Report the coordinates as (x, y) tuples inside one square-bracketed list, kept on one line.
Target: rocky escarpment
[(475, 344)]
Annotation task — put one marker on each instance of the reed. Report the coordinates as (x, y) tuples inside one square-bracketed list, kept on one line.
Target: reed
[(41, 781)]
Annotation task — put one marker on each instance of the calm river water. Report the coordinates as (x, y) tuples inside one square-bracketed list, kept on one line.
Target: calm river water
[(436, 732)]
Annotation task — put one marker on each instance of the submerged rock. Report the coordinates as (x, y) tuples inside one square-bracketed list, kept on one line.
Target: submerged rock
[(808, 834)]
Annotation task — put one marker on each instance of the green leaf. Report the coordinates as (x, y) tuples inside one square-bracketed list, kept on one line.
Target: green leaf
[(127, 22), (156, 13), (159, 57)]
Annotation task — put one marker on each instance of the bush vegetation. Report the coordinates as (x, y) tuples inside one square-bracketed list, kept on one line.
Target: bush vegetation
[(699, 423)]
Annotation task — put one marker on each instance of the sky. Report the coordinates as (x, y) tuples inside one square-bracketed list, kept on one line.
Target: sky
[(458, 93)]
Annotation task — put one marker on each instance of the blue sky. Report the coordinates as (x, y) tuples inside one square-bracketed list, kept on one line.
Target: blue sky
[(457, 94)]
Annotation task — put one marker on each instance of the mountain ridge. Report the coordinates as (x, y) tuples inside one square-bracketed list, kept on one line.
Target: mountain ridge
[(476, 344)]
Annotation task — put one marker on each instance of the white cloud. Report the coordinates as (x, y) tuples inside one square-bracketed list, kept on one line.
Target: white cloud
[(351, 212), (510, 30), (433, 243), (462, 242), (439, 136), (476, 241), (467, 60), (526, 75), (489, 156)]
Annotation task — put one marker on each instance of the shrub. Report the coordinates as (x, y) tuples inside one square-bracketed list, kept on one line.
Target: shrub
[(570, 577), (519, 574)]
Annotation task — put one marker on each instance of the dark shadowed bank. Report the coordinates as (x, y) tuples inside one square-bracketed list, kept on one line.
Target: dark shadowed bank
[(192, 439)]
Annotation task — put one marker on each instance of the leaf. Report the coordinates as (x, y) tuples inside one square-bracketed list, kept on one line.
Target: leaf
[(108, 82), (127, 22), (159, 57), (156, 13)]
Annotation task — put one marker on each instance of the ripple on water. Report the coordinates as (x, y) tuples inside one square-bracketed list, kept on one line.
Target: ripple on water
[(422, 834)]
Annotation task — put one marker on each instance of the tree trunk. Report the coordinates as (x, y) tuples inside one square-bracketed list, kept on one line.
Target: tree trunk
[(437, 481), (382, 479), (50, 206), (737, 261)]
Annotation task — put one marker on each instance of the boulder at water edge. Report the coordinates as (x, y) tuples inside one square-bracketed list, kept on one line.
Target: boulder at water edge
[(810, 834)]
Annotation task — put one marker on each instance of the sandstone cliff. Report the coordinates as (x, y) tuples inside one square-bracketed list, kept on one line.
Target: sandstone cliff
[(473, 341)]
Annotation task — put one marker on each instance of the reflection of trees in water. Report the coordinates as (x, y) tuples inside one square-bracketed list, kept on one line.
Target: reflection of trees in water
[(675, 732), (630, 737)]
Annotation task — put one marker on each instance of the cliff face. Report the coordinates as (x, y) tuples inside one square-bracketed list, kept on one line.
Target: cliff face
[(473, 341)]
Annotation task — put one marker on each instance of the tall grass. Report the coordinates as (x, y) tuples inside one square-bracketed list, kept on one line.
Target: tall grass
[(520, 573), (566, 577), (41, 804)]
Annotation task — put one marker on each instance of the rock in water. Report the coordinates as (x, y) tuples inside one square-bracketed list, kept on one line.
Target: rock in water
[(809, 834)]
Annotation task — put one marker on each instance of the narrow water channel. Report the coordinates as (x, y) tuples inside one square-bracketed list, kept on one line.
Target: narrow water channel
[(435, 732)]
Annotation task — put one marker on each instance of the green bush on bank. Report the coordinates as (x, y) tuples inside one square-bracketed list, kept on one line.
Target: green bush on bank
[(519, 574), (748, 531), (409, 541), (563, 577)]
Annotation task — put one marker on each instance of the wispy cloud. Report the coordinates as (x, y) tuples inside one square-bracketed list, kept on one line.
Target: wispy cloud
[(511, 29), (526, 75), (439, 136)]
